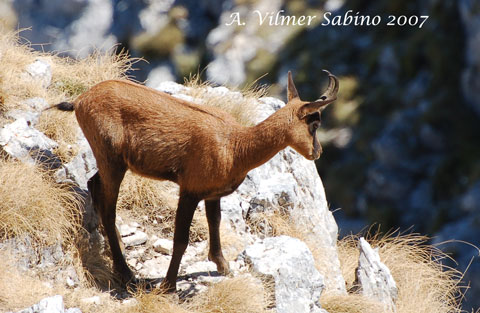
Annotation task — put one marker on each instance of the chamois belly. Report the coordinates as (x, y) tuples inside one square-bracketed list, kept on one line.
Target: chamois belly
[(221, 190)]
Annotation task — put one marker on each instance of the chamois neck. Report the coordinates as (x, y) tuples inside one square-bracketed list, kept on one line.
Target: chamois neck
[(257, 144)]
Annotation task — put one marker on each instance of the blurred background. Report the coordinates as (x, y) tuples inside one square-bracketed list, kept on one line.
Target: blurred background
[(402, 143)]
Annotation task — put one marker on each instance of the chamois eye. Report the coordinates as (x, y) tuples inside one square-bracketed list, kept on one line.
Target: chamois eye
[(312, 127)]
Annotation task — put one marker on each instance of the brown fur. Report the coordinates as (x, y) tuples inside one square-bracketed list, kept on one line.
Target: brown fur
[(201, 148)]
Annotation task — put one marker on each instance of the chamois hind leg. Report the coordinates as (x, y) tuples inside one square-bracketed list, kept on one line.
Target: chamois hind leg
[(94, 188), (186, 208), (104, 187), (215, 254)]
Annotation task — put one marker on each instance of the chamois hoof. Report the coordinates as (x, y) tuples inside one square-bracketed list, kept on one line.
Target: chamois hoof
[(167, 287), (222, 265)]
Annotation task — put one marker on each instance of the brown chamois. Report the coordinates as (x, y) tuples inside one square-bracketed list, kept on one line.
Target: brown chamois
[(199, 147)]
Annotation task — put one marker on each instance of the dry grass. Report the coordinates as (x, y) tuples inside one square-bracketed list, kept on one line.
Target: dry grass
[(272, 223), (63, 128), (32, 204), (240, 294), (352, 303), (156, 302), (155, 202), (242, 105), (71, 77), (424, 284)]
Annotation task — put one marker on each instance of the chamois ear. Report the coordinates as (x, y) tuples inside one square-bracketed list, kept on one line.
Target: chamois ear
[(320, 104), (292, 92)]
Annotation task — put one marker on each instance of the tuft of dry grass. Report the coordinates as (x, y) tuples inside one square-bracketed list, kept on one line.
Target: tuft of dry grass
[(351, 303), (32, 204), (70, 77), (244, 294), (272, 223), (241, 104), (156, 301), (424, 284)]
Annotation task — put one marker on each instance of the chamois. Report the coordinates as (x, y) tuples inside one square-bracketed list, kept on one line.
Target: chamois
[(201, 148)]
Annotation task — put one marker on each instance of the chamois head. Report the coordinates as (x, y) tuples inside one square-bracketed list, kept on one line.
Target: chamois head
[(306, 118)]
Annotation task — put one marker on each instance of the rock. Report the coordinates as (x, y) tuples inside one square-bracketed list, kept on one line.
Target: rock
[(298, 284), (163, 246), (155, 267), (374, 277), (126, 230), (77, 172), (21, 141), (171, 88), (50, 305), (40, 71), (29, 116), (138, 238), (81, 168), (201, 268)]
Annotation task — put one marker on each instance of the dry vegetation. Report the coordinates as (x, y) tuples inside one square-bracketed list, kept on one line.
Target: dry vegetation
[(32, 204), (239, 294)]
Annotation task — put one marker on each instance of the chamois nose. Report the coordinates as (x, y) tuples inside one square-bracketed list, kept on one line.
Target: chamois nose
[(317, 153)]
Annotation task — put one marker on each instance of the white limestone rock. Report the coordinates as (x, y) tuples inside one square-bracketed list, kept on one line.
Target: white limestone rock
[(40, 71), (138, 238), (163, 246), (374, 277), (298, 284), (20, 138)]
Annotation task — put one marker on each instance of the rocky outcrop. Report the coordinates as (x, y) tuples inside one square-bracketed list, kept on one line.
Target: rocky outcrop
[(288, 261)]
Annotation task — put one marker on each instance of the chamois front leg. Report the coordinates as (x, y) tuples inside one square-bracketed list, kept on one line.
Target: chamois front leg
[(186, 208), (215, 254)]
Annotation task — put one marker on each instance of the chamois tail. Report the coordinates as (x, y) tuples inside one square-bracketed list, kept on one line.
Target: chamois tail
[(65, 106), (62, 106)]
